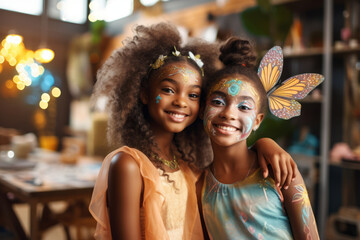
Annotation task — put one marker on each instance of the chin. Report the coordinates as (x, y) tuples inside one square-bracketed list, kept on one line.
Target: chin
[(176, 129), (224, 142)]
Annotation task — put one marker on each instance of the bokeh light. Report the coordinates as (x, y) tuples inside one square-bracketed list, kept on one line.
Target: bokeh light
[(56, 92), (30, 72), (43, 104), (44, 55), (45, 97)]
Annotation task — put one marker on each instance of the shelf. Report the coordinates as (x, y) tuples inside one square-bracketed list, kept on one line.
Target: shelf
[(307, 52), (346, 50), (347, 164), (310, 52)]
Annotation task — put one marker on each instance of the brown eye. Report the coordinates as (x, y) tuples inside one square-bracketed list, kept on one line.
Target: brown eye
[(218, 102), (167, 90), (244, 106), (194, 95)]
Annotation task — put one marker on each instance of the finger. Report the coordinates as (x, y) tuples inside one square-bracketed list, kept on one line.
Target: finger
[(284, 172), (289, 176), (276, 170), (263, 166)]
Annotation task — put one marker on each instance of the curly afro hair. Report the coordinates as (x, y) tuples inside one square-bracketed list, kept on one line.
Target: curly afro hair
[(126, 71)]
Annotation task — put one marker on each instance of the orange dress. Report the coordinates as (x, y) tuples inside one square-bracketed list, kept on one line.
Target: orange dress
[(155, 198)]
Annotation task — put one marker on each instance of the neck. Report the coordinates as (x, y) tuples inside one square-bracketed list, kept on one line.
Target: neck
[(164, 142), (233, 158)]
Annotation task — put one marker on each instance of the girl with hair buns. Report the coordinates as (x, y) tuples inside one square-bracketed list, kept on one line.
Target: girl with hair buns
[(235, 200), (146, 187)]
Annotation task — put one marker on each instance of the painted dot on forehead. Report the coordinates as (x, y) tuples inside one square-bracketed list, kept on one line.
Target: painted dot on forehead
[(234, 89), (234, 86)]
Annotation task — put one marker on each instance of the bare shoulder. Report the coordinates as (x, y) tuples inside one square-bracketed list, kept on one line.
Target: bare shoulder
[(124, 174), (125, 190), (123, 163)]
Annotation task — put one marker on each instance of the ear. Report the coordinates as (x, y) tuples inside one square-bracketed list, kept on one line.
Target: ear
[(143, 96), (258, 121)]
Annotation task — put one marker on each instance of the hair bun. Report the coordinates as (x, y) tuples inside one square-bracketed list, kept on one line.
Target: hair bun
[(237, 51)]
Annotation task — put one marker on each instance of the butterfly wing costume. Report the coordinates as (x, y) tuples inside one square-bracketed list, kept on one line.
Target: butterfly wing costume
[(282, 96)]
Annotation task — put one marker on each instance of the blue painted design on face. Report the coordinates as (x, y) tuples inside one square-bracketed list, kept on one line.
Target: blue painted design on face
[(233, 90), (158, 98)]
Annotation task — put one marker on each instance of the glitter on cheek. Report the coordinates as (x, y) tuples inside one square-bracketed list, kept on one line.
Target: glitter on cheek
[(210, 113), (213, 132), (247, 125), (158, 98)]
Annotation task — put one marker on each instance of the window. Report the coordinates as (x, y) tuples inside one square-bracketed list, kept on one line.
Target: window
[(33, 7), (73, 11), (110, 10)]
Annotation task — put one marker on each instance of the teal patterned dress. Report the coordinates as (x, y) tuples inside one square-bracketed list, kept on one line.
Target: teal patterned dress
[(249, 209)]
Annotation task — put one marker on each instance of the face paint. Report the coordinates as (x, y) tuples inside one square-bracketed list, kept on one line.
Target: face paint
[(158, 98), (233, 87), (209, 113), (302, 196), (173, 103), (185, 72), (248, 123), (231, 110)]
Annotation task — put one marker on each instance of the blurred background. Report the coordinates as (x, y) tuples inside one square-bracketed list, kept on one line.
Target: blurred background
[(51, 50)]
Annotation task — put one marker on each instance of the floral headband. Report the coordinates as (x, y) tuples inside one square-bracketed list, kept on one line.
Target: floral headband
[(161, 60), (282, 96)]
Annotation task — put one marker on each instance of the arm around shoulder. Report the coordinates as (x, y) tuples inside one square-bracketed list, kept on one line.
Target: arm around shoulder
[(282, 164), (299, 210), (124, 197)]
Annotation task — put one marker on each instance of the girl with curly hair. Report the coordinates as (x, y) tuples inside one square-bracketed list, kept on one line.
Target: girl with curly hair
[(146, 187), (235, 200)]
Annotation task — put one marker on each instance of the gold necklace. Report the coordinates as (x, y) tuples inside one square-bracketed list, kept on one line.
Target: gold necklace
[(173, 164)]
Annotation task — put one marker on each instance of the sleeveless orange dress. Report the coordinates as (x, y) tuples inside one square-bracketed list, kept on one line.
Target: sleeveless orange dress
[(156, 211)]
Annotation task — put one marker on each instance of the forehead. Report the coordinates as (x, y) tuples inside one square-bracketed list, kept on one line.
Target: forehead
[(182, 70), (233, 85)]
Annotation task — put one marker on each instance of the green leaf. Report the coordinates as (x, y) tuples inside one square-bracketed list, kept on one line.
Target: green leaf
[(282, 19), (256, 21)]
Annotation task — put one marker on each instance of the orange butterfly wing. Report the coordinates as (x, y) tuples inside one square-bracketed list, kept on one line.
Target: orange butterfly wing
[(282, 100), (270, 68)]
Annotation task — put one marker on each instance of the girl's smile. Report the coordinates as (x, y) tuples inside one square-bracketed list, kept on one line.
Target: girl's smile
[(177, 116), (225, 128), (231, 111)]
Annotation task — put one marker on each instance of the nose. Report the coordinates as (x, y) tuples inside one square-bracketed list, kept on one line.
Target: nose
[(180, 101), (228, 113)]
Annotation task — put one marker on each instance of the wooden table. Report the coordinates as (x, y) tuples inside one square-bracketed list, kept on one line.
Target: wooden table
[(49, 180)]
